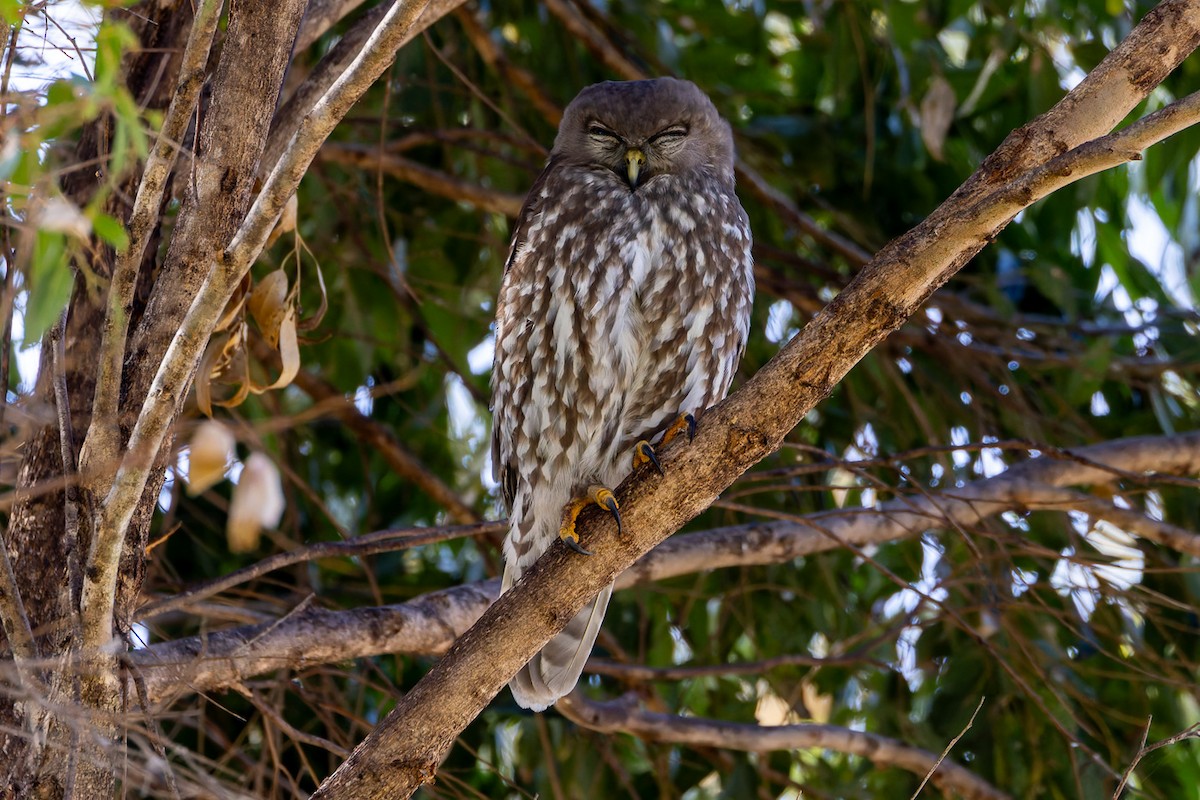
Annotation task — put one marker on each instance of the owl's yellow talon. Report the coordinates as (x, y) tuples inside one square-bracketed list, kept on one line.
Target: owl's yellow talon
[(643, 453), (606, 500), (599, 495), (685, 422)]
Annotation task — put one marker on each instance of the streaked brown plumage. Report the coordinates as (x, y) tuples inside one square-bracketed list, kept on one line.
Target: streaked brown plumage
[(625, 302)]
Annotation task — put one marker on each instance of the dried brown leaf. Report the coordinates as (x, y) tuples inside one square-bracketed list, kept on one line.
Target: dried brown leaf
[(257, 503), (289, 354), (937, 112), (209, 453), (268, 305)]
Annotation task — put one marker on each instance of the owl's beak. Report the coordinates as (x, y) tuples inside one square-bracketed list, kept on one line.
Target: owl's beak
[(634, 161)]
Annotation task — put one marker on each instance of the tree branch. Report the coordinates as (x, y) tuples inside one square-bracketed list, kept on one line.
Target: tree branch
[(404, 751), (431, 180), (177, 367), (248, 78), (103, 440), (334, 65), (320, 16), (429, 624), (489, 51), (624, 716), (388, 541)]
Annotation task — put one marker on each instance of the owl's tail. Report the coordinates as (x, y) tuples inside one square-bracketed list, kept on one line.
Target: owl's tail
[(555, 670)]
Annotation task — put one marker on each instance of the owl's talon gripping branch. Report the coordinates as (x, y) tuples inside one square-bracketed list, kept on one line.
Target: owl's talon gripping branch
[(599, 495), (685, 422), (643, 451)]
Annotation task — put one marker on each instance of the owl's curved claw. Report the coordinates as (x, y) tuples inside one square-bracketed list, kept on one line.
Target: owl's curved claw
[(643, 453), (690, 421), (605, 498), (574, 545), (684, 422), (599, 495)]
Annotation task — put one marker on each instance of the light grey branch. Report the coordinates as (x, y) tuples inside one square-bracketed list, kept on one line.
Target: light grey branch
[(624, 716), (334, 64), (101, 448)]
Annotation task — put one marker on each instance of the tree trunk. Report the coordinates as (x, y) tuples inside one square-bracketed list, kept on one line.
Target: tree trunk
[(35, 537)]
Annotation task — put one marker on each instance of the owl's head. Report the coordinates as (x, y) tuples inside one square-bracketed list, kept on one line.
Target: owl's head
[(642, 129)]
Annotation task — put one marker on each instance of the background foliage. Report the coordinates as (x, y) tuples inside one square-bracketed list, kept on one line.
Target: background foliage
[(1076, 326)]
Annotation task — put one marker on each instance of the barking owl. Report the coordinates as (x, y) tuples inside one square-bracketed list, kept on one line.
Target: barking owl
[(622, 316)]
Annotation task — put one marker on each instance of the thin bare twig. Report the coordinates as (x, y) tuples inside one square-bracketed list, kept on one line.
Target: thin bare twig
[(271, 713), (431, 180), (66, 438), (368, 544), (398, 457), (948, 748), (157, 738), (521, 78), (1190, 733)]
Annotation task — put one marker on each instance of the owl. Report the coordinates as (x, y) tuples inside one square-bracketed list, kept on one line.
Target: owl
[(623, 313)]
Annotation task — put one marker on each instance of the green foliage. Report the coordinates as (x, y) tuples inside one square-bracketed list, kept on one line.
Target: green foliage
[(47, 119), (1076, 326), (49, 284)]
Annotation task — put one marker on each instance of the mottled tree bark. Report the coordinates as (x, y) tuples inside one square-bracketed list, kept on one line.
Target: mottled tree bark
[(215, 234), (34, 536)]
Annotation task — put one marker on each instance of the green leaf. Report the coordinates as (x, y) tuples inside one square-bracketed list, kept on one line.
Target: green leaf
[(50, 282), (110, 230), (112, 40), (12, 11), (129, 136)]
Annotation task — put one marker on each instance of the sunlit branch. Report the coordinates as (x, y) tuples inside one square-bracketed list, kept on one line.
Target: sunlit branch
[(103, 436)]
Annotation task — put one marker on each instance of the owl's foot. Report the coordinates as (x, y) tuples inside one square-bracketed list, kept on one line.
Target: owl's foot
[(597, 495), (643, 451)]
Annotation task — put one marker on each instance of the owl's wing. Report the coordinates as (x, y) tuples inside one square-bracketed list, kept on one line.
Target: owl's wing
[(504, 470), (529, 212)]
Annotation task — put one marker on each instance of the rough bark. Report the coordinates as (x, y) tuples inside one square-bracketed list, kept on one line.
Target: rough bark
[(34, 536)]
